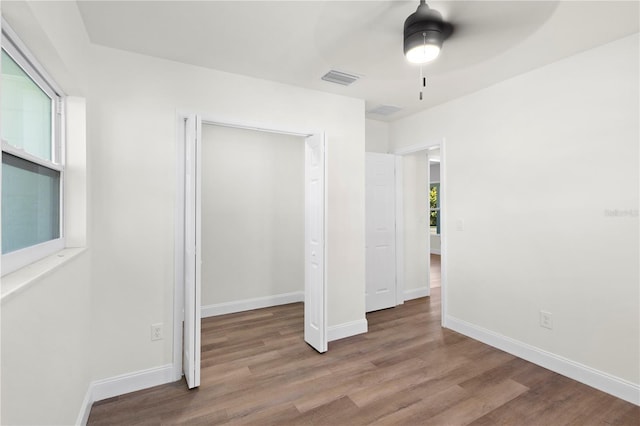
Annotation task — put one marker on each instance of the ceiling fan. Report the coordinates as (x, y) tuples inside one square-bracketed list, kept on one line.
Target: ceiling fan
[(424, 33), (367, 38)]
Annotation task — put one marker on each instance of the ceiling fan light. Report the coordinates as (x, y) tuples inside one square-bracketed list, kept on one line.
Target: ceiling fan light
[(423, 53), (424, 33)]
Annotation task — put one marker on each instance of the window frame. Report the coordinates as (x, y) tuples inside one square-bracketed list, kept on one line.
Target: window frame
[(20, 54)]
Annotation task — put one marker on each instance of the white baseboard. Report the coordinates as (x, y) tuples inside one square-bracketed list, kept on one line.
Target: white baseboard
[(124, 383), (85, 409), (589, 376), (347, 329), (416, 293), (248, 304), (434, 251), (131, 382)]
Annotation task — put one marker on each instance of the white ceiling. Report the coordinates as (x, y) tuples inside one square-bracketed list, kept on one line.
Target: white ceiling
[(296, 42)]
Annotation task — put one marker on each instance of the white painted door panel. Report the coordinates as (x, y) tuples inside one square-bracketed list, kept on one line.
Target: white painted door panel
[(380, 232), (192, 261), (315, 333)]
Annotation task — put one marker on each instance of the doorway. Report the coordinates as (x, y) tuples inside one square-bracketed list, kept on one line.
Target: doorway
[(435, 213), (187, 296), (252, 219), (421, 191)]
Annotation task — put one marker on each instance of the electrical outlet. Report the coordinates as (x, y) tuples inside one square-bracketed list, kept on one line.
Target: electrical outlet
[(156, 331), (546, 320), (460, 224)]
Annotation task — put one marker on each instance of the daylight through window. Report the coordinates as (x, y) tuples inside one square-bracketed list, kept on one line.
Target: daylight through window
[(32, 167)]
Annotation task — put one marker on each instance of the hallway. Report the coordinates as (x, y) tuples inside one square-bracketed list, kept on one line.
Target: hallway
[(435, 271)]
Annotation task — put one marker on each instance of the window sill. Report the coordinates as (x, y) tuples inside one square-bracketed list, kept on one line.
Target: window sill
[(17, 281)]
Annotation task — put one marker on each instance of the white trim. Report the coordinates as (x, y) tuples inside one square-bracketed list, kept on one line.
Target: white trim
[(122, 384), (21, 153), (416, 293), (435, 251), (444, 298), (399, 204), (284, 129), (131, 382), (589, 376), (255, 128), (411, 149), (20, 280), (249, 304), (15, 260), (347, 329), (428, 227), (197, 332), (85, 408)]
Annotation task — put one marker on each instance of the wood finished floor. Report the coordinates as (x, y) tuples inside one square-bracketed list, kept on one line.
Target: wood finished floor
[(435, 269), (407, 370)]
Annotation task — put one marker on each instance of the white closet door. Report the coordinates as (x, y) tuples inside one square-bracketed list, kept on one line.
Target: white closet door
[(315, 329), (193, 259), (380, 236)]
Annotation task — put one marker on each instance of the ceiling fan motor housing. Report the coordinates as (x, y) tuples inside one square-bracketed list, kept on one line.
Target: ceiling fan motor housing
[(425, 26)]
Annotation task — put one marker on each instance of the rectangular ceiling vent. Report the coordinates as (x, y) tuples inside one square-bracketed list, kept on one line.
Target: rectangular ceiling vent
[(384, 110), (338, 77)]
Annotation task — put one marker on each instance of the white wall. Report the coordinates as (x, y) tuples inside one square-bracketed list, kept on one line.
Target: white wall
[(132, 132), (416, 222), (132, 102), (549, 152), (376, 136), (435, 244), (46, 326), (252, 214), (434, 171), (45, 347)]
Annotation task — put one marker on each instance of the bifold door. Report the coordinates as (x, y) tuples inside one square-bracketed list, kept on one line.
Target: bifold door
[(315, 332), (193, 259)]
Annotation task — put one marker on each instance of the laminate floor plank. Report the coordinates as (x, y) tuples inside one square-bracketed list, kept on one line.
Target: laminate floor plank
[(435, 270), (429, 406), (407, 370)]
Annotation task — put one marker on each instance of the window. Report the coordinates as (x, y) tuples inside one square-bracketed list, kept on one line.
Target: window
[(32, 166), (434, 206)]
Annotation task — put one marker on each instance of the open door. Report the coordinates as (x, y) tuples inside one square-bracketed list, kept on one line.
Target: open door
[(192, 261), (315, 329)]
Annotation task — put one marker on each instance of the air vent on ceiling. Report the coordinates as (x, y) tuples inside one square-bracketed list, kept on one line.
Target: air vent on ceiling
[(338, 77), (384, 110)]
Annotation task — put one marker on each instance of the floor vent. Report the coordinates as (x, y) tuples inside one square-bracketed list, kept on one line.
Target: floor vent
[(384, 110), (338, 77)]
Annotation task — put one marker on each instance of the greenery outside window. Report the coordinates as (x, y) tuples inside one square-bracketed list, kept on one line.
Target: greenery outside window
[(434, 206)]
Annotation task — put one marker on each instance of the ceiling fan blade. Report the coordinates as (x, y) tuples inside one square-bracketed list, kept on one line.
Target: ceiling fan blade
[(368, 29), (481, 32)]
